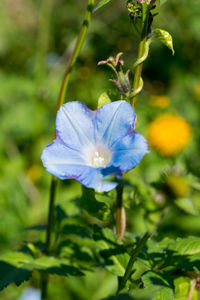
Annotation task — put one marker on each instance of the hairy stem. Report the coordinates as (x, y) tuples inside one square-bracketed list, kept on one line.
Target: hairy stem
[(138, 83), (132, 259), (62, 94), (120, 213)]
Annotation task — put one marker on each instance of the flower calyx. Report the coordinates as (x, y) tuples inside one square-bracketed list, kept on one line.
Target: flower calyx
[(122, 81)]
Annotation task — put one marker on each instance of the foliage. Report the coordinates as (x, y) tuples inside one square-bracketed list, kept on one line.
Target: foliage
[(86, 258)]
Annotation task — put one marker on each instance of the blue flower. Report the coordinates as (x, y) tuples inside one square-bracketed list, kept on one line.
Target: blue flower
[(91, 146)]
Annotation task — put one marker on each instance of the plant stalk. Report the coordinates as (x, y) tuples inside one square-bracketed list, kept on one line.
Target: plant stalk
[(75, 53), (133, 258), (61, 98), (120, 213), (143, 40)]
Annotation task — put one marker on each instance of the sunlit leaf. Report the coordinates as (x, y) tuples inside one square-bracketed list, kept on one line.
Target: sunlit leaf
[(111, 250), (182, 288), (103, 99), (165, 37), (101, 3), (187, 205), (187, 246)]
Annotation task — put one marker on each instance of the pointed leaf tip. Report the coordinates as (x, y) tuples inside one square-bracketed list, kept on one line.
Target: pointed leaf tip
[(165, 37)]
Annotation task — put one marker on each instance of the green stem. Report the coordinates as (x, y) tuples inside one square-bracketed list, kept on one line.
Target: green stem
[(133, 258), (76, 52), (120, 213), (138, 71), (44, 276), (63, 90), (51, 214)]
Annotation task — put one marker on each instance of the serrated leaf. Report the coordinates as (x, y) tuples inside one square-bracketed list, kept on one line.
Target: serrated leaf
[(113, 252), (16, 267), (101, 3), (151, 278), (16, 259), (11, 274), (95, 208), (187, 246), (103, 99), (165, 37)]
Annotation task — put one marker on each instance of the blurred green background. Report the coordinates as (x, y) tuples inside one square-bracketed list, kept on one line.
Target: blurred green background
[(36, 41)]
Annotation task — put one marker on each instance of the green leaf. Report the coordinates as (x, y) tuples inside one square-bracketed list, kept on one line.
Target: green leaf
[(164, 37), (162, 1), (111, 250), (16, 267), (11, 274), (145, 294), (36, 227), (187, 205), (119, 264), (60, 214), (182, 288), (119, 297), (101, 3), (95, 208), (187, 246), (103, 99), (160, 280), (75, 230), (56, 266)]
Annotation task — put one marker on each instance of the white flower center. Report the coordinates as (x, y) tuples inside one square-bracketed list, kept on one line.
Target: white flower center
[(99, 157)]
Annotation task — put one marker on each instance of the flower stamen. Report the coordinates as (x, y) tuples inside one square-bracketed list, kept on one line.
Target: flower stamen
[(99, 157)]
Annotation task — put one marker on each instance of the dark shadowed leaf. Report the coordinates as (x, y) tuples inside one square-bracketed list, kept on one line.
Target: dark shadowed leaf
[(11, 274), (95, 208), (161, 280), (76, 230)]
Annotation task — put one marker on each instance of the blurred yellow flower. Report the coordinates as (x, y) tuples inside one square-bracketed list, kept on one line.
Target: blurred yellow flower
[(197, 91), (34, 172), (169, 134), (177, 185), (161, 101)]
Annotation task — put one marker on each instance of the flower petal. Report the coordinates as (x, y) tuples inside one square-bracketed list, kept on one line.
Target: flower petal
[(128, 152), (113, 121), (57, 154), (66, 163), (75, 125)]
